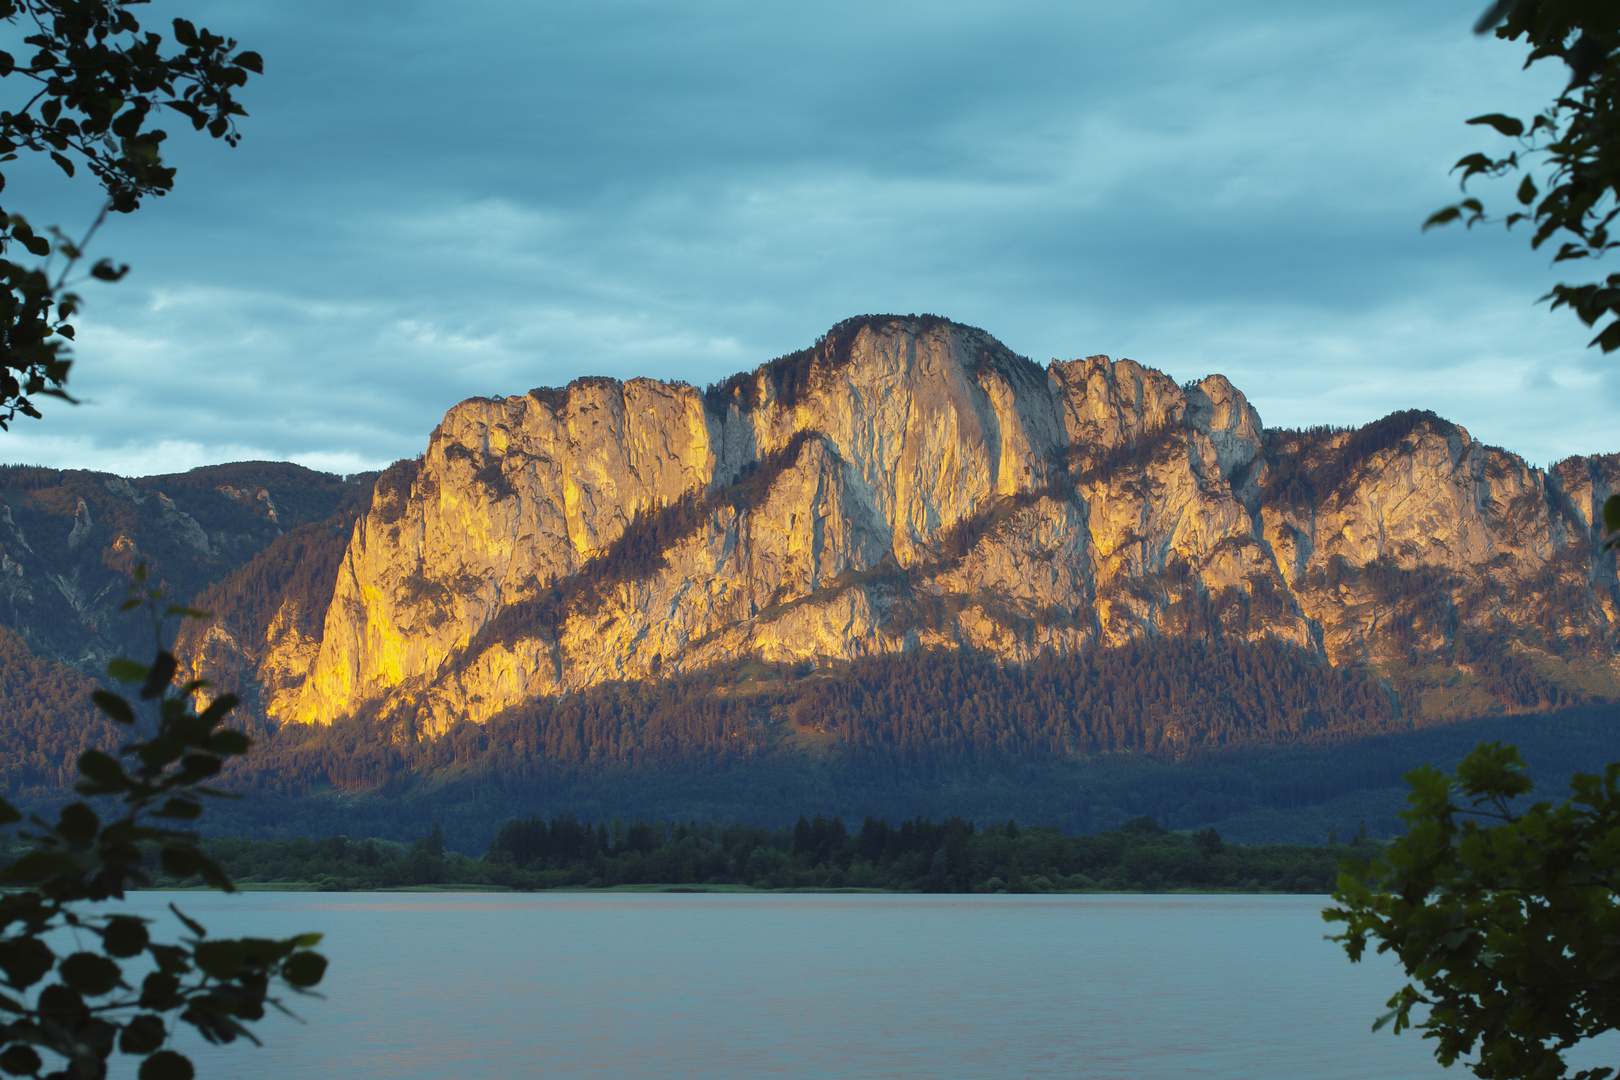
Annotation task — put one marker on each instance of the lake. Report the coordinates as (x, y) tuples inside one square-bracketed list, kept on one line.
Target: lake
[(568, 985)]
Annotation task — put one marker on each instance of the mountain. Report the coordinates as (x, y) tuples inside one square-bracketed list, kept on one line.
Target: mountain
[(902, 568), (911, 485)]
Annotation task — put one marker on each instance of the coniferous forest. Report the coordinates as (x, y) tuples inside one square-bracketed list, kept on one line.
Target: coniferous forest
[(815, 853)]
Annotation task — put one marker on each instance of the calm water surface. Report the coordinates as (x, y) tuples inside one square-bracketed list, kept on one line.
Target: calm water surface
[(721, 986)]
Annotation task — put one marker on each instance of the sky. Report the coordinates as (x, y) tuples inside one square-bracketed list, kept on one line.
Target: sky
[(435, 201)]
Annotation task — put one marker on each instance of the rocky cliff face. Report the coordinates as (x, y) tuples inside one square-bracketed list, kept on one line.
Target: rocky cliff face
[(910, 483)]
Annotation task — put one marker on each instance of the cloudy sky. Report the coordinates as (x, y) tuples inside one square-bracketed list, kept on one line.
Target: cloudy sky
[(436, 200)]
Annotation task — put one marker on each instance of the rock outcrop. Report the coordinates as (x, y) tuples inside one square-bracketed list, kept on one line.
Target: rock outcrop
[(911, 483)]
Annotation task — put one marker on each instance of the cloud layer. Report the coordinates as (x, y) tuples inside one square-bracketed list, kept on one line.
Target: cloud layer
[(436, 201)]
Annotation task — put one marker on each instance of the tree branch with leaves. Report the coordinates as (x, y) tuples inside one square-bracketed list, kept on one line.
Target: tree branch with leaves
[(95, 82), (1505, 919), (1567, 156), (71, 1012)]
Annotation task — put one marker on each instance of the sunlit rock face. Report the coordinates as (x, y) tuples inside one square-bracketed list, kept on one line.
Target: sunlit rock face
[(911, 483)]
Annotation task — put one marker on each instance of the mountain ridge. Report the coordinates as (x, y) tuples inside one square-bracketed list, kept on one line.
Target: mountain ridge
[(910, 483), (901, 555)]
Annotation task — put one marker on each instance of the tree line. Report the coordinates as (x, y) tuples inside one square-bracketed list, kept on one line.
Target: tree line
[(917, 855)]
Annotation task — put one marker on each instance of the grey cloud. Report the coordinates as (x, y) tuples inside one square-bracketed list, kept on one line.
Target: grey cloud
[(435, 201)]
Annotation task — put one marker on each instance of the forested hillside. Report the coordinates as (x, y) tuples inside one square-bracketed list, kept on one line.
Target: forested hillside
[(69, 539), (46, 720)]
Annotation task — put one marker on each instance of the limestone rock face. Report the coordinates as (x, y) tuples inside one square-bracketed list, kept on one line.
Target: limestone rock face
[(911, 483)]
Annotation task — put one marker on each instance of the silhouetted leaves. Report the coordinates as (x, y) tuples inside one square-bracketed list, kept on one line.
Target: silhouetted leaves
[(1503, 917), (1575, 139), (212, 984), (95, 81)]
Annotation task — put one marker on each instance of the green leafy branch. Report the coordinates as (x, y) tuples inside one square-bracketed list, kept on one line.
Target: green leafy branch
[(1575, 140), (1506, 922), (82, 1006)]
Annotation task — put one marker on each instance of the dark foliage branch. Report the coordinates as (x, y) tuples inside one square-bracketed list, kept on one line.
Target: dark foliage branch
[(94, 81), (1573, 145), (1505, 919), (69, 1011)]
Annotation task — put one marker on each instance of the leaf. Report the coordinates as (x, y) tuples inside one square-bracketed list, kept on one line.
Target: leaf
[(114, 706), (103, 769), (159, 990), (167, 1064), (191, 924), (156, 753), (20, 1060), (160, 675), (221, 959), (1505, 125), (9, 815), (90, 974), (124, 936), (213, 874), (78, 824), (304, 969), (142, 1034), (229, 743), (60, 998), (1442, 217), (105, 270), (1494, 15), (218, 708), (199, 766), (25, 961), (37, 866), (180, 860), (1609, 340), (1527, 191), (125, 670), (1611, 513)]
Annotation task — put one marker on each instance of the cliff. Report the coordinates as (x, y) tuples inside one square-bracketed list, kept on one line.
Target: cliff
[(911, 484)]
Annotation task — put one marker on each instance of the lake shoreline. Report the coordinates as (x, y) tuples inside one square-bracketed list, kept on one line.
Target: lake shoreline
[(732, 890)]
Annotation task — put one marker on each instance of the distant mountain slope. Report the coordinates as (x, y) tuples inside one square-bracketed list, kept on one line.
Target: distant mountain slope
[(69, 538), (46, 720)]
